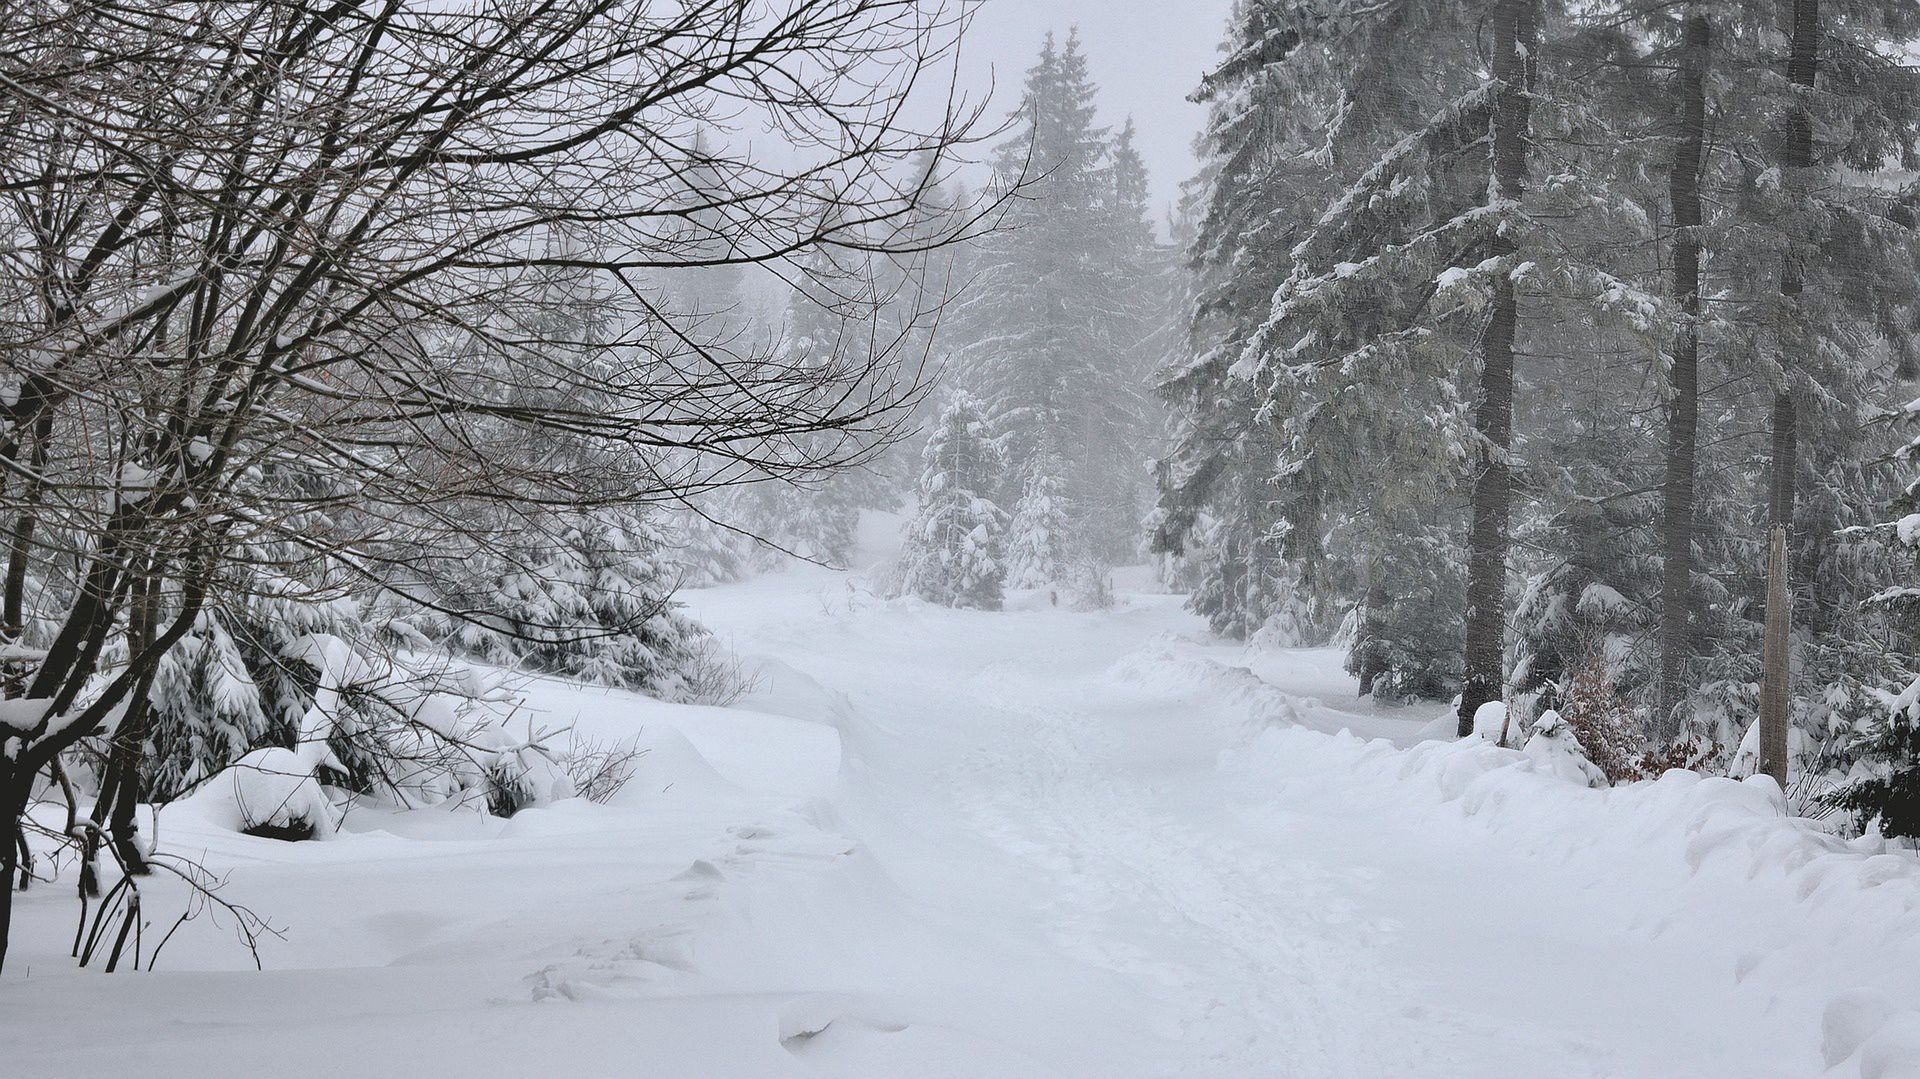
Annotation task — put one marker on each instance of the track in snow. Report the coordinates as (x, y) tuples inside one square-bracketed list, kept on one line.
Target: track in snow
[(1275, 924)]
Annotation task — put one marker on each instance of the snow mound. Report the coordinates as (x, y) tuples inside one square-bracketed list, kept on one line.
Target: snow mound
[(1444, 727), (269, 789), (782, 689), (1490, 721), (1893, 1051), (825, 1034), (761, 751), (1159, 668), (671, 771), (1681, 845), (1851, 1018)]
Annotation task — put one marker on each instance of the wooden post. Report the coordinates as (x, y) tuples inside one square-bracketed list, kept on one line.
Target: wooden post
[(1773, 662)]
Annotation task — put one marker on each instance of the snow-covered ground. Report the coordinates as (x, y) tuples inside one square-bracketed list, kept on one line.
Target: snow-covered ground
[(1032, 843)]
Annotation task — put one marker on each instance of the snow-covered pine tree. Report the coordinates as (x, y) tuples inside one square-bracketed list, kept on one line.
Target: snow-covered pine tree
[(953, 549), (595, 602), (1884, 785), (230, 686), (206, 711), (1425, 232), (1354, 364), (1118, 485), (1038, 537), (1218, 510), (1844, 266), (706, 547), (1786, 280), (1404, 634), (1041, 326), (585, 592)]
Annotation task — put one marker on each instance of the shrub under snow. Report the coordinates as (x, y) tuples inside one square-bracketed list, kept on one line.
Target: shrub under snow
[(1553, 746)]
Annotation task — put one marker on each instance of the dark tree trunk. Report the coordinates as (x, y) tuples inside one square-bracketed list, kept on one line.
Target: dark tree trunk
[(20, 541), (129, 686), (1785, 462), (1683, 408), (1370, 667), (1515, 32), (13, 812), (130, 739), (1773, 676)]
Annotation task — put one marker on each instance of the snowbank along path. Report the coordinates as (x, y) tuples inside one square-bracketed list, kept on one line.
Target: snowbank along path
[(1028, 843)]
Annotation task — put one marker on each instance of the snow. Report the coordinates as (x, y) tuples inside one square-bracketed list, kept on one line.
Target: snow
[(136, 481), (24, 714), (1490, 722), (1040, 842), (1746, 757), (1908, 528), (270, 787)]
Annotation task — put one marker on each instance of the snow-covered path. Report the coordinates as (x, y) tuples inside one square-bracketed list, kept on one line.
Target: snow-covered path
[(1030, 843), (1274, 919)]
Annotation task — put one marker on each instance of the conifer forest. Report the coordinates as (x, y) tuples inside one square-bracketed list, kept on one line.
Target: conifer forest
[(960, 539)]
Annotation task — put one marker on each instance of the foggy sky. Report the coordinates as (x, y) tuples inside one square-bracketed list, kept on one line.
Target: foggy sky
[(1146, 55)]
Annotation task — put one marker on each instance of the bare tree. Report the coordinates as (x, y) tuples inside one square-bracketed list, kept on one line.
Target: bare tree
[(259, 267)]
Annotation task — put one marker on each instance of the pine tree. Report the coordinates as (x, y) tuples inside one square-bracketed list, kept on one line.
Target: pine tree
[(1218, 509), (704, 547), (1781, 200), (207, 711), (1118, 486), (1050, 338), (1678, 489), (1360, 362), (596, 604), (953, 550), (585, 593), (1038, 552)]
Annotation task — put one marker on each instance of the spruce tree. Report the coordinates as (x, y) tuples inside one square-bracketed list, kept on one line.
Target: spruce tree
[(1218, 509), (953, 552), (1038, 537), (1049, 337)]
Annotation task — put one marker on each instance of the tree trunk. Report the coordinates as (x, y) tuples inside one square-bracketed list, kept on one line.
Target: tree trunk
[(1785, 462), (129, 742), (1803, 68), (20, 540), (1774, 673), (1683, 407), (13, 811), (1370, 666), (1515, 31)]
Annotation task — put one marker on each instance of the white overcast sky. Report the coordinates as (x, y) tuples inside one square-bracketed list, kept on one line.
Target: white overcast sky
[(1147, 55)]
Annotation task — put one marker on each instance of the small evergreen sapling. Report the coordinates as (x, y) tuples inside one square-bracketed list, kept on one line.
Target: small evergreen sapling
[(953, 551), (1037, 554), (1552, 744)]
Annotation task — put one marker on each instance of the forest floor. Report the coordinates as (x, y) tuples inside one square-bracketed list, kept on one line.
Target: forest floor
[(1029, 843)]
